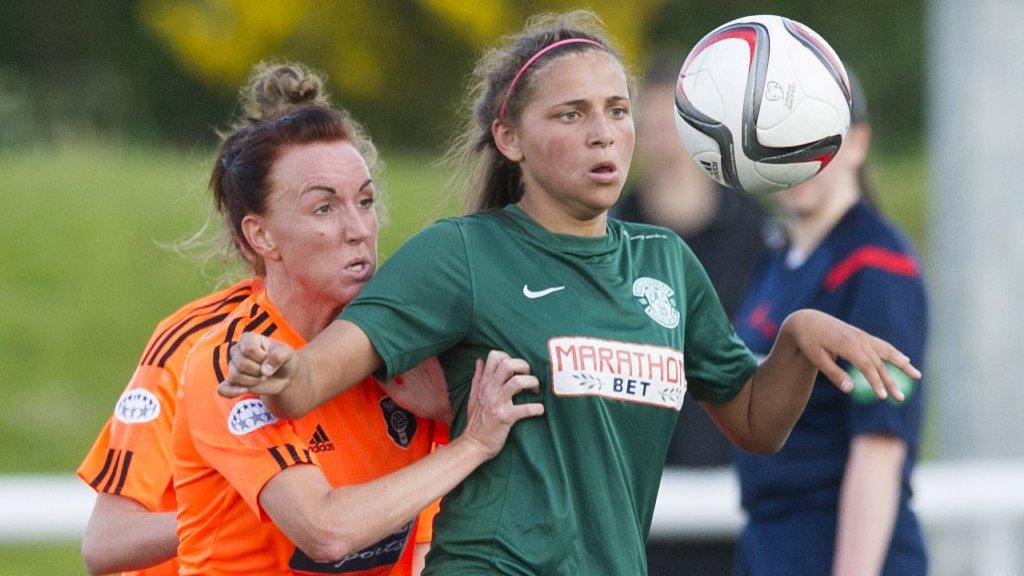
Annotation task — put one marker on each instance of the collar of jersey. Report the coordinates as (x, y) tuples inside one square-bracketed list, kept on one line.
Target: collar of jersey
[(566, 243), (285, 332), (836, 236)]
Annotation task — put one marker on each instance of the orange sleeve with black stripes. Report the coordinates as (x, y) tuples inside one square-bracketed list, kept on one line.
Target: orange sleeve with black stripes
[(131, 455), (237, 437)]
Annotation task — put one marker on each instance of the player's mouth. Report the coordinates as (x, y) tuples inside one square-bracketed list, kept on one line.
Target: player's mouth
[(359, 269), (604, 172)]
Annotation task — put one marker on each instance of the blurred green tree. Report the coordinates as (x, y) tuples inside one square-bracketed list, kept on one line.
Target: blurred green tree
[(482, 23), (167, 70), (395, 63)]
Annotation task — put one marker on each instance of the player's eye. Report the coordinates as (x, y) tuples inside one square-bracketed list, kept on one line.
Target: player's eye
[(569, 116), (322, 208), (619, 112)]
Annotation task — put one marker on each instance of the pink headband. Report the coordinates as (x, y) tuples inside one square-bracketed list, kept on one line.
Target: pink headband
[(525, 66)]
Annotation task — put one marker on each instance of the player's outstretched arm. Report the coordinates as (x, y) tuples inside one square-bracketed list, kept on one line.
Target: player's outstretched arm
[(328, 524), (123, 535), (761, 416), (291, 382)]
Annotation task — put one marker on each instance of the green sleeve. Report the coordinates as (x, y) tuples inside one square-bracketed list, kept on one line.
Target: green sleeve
[(420, 303), (718, 363)]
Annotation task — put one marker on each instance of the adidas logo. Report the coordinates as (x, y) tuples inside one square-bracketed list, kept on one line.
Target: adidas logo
[(320, 442)]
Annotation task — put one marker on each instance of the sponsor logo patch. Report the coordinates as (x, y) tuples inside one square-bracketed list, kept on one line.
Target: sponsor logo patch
[(248, 415), (656, 298), (400, 422), (626, 371), (137, 406), (382, 553)]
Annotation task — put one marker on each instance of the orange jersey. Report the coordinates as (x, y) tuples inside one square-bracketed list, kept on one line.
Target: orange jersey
[(425, 525), (226, 450), (132, 455)]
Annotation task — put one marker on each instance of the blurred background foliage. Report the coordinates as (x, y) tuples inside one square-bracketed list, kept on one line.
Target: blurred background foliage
[(167, 70)]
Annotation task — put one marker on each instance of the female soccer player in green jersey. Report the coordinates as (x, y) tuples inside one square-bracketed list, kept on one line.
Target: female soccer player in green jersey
[(616, 320)]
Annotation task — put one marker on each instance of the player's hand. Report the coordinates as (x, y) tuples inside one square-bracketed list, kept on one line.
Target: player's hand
[(823, 339), (491, 412), (258, 365), (422, 391)]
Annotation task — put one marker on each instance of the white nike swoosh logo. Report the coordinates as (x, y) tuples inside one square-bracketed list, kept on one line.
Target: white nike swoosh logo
[(531, 294)]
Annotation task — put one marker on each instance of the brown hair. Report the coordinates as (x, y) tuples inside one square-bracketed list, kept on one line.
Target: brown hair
[(284, 105), (275, 89), (241, 174), (859, 117), (492, 180)]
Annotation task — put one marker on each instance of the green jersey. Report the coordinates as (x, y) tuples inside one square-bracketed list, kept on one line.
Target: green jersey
[(615, 328)]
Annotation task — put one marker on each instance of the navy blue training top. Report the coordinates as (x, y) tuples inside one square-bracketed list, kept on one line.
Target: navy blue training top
[(863, 273)]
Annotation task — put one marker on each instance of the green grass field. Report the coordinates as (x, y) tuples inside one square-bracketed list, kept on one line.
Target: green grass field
[(84, 279), (41, 559)]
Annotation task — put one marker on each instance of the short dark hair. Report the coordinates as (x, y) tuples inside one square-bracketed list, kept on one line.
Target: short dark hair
[(858, 103)]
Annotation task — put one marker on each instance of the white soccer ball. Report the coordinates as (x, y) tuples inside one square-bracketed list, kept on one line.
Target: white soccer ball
[(762, 103)]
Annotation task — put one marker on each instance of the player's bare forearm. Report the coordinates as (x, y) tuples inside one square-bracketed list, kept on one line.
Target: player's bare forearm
[(292, 383), (779, 390), (330, 524), (339, 358), (761, 416), (868, 504), (417, 485), (123, 535)]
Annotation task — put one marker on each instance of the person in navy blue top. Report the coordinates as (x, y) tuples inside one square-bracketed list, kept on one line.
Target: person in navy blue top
[(728, 232), (836, 498)]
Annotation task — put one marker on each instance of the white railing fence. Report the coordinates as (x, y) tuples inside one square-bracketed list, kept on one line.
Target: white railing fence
[(973, 512)]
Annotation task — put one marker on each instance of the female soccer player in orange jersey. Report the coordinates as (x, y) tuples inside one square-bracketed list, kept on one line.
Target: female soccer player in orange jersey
[(132, 527), (338, 490)]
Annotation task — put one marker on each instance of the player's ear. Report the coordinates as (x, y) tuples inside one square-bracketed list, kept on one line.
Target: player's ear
[(254, 227), (506, 140)]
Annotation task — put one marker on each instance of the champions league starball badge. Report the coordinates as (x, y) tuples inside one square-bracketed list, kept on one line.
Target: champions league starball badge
[(248, 415), (137, 406)]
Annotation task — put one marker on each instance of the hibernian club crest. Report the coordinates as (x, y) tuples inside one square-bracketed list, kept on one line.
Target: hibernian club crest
[(656, 298)]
